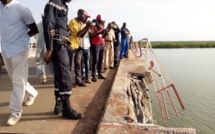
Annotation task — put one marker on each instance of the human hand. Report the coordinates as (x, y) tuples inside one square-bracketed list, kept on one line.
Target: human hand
[(114, 23), (48, 56), (52, 32), (71, 48), (88, 23)]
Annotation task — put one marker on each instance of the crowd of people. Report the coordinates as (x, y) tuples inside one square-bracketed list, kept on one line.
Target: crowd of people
[(66, 50)]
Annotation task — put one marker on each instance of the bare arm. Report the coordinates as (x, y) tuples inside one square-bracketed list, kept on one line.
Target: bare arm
[(82, 32), (33, 29), (93, 33)]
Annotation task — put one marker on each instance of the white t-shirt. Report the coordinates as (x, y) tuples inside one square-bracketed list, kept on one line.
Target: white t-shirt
[(85, 41)]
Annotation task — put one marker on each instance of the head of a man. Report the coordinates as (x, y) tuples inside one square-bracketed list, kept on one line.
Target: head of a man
[(124, 25), (110, 26), (100, 19), (83, 15), (4, 2)]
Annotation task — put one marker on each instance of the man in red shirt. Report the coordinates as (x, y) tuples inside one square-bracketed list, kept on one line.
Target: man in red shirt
[(97, 34)]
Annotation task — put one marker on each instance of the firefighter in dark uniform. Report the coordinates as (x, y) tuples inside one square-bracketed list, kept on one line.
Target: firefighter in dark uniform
[(55, 33)]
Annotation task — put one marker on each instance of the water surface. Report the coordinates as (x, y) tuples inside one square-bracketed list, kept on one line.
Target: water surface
[(193, 72)]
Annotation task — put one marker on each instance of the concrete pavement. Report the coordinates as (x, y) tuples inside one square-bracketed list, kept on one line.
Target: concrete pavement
[(39, 118)]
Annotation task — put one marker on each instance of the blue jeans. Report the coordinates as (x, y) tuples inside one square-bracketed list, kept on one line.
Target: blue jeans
[(86, 56), (124, 48)]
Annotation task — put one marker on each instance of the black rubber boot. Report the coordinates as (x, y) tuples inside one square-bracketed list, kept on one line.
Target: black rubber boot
[(68, 112), (58, 106)]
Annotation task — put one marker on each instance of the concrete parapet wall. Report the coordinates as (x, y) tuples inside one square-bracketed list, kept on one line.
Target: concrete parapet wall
[(113, 120)]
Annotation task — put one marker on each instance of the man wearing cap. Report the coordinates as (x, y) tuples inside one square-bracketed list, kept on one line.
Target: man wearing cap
[(77, 30), (55, 19), (98, 46)]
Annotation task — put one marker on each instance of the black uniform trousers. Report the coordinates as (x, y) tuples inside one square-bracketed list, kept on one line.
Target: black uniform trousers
[(63, 80)]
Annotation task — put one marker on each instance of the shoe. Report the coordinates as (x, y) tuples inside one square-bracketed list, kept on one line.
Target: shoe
[(88, 81), (74, 85), (101, 77), (14, 118), (121, 58), (69, 112), (82, 85), (126, 57), (58, 106), (105, 68), (112, 68), (94, 79), (43, 79), (30, 100)]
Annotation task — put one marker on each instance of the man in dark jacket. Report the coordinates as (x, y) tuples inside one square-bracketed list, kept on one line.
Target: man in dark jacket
[(55, 19)]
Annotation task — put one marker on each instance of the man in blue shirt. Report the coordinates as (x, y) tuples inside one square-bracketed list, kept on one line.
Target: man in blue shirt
[(55, 19), (17, 25), (124, 41)]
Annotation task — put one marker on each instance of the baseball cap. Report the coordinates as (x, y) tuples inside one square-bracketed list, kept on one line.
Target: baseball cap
[(100, 17), (86, 14)]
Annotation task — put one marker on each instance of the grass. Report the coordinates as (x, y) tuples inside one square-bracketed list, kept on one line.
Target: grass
[(181, 44)]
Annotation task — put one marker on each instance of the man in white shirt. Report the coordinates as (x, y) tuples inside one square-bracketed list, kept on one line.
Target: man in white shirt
[(16, 27), (85, 44), (42, 69)]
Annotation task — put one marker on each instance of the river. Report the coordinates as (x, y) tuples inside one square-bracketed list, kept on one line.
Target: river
[(193, 73)]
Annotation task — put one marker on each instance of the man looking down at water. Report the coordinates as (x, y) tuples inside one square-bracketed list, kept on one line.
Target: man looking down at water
[(77, 30), (55, 19), (17, 25), (98, 46)]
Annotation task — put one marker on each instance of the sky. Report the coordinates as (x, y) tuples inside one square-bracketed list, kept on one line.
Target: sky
[(157, 20)]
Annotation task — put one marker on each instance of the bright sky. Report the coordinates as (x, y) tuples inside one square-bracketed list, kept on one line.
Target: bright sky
[(158, 20)]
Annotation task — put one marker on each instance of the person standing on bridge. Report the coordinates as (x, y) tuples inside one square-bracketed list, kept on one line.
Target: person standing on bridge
[(55, 19), (17, 25), (97, 33), (77, 31), (116, 43), (42, 69), (124, 41)]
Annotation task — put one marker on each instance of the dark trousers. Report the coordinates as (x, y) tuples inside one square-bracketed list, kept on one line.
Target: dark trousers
[(116, 53), (97, 53), (63, 80), (75, 57)]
